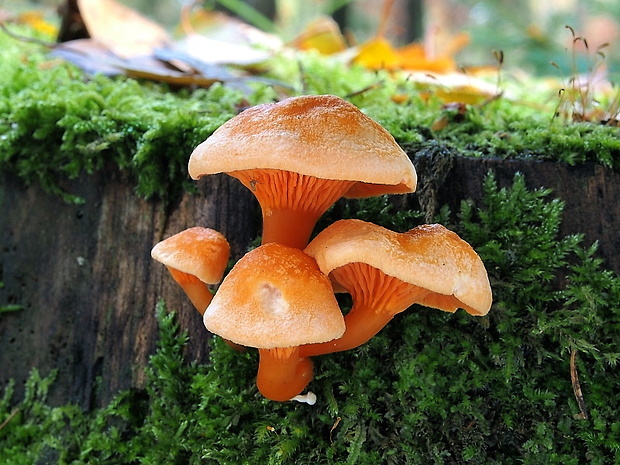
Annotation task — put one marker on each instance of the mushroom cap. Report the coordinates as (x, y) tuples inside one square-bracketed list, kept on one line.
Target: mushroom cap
[(428, 256), (316, 135), (201, 252), (275, 296)]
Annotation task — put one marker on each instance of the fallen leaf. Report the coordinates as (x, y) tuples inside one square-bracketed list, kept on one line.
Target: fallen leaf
[(93, 58), (413, 57), (215, 51), (322, 35), (37, 21), (90, 56), (121, 29), (216, 37), (220, 26), (377, 53), (454, 87), (166, 65)]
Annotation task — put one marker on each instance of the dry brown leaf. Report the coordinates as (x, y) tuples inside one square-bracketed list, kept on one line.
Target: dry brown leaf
[(124, 31), (89, 55), (167, 65), (93, 57)]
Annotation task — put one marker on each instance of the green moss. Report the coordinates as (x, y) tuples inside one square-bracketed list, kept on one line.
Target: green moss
[(536, 136), (57, 124), (431, 388), (56, 131)]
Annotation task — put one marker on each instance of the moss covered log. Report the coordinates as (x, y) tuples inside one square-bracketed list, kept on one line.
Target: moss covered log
[(57, 124), (533, 382), (431, 388)]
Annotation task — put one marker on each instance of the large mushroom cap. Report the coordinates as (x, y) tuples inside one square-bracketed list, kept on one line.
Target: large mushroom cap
[(316, 135), (275, 296), (200, 252), (428, 256)]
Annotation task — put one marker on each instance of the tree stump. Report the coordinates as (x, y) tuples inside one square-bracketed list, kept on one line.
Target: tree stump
[(87, 283), (84, 275), (590, 192)]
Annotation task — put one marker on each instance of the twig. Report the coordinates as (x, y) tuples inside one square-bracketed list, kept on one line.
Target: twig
[(334, 426), (583, 413), (9, 418), (376, 85), (31, 40)]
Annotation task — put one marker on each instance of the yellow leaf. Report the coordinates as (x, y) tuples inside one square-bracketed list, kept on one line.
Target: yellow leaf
[(464, 94), (413, 57), (36, 20), (322, 35), (377, 53), (455, 87)]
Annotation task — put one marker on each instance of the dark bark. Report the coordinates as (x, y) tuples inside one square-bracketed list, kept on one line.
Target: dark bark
[(84, 275), (590, 192)]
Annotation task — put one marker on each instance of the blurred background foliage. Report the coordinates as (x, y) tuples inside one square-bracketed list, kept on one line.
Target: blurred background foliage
[(532, 34)]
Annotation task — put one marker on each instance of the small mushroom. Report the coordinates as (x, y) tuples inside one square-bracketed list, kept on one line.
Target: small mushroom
[(299, 156), (275, 298), (195, 257), (386, 272)]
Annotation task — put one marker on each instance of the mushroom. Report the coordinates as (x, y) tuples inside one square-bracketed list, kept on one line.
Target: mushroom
[(299, 156), (194, 257), (275, 298), (386, 272)]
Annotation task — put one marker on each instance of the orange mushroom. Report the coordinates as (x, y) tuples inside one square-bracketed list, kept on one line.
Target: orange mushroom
[(275, 299), (386, 272), (299, 156), (194, 257)]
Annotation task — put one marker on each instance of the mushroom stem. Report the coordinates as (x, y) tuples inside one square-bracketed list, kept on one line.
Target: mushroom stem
[(282, 373), (199, 294), (291, 203), (289, 227), (197, 291), (362, 324), (377, 297)]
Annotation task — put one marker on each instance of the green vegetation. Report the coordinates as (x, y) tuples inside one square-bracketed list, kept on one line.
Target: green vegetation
[(57, 124), (432, 388)]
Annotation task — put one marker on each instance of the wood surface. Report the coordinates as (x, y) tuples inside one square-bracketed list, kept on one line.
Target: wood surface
[(84, 275)]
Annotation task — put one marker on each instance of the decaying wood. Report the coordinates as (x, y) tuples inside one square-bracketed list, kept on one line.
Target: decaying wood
[(84, 275), (590, 192), (88, 285)]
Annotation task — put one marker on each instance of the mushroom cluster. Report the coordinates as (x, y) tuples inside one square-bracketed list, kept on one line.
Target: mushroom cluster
[(298, 157)]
